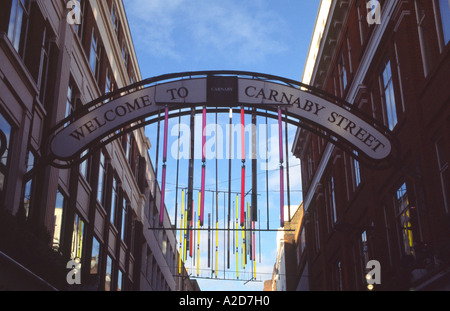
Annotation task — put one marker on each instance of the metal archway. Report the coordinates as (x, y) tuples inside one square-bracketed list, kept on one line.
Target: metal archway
[(104, 119)]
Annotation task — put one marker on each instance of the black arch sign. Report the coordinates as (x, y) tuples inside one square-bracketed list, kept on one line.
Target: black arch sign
[(338, 121)]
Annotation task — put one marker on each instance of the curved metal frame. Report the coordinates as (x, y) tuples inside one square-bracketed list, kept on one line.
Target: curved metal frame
[(181, 109)]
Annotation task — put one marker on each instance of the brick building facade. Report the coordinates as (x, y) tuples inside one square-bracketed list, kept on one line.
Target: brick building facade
[(394, 65), (98, 212)]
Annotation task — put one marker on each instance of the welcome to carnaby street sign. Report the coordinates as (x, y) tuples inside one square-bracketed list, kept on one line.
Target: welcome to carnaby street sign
[(341, 122)]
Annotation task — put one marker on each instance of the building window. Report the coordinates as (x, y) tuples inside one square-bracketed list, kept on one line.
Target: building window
[(101, 177), (18, 21), (332, 201), (70, 101), (388, 96), (108, 275), (349, 53), (405, 214), (60, 206), (316, 231), (77, 237), (79, 27), (363, 254), (84, 166), (114, 19), (119, 280), (5, 141), (444, 12), (343, 79), (148, 272), (43, 66), (95, 256), (94, 55), (114, 201), (310, 165), (444, 171), (124, 219), (423, 36), (109, 87), (132, 77), (338, 285), (356, 172), (28, 184), (125, 54)]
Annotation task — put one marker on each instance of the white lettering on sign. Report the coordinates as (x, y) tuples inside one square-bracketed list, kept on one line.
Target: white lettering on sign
[(338, 120)]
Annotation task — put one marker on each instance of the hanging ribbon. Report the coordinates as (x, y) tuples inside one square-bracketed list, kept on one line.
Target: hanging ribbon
[(202, 202), (229, 187), (181, 231), (198, 233), (237, 236), (243, 166)]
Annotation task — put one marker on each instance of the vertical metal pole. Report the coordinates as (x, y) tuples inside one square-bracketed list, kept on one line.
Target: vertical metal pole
[(229, 186), (181, 232), (163, 191), (286, 142), (224, 260), (157, 164), (254, 200), (191, 165), (163, 184), (237, 236), (259, 226), (244, 254), (280, 139), (202, 199), (191, 239), (243, 165), (185, 232), (198, 233), (267, 170), (202, 203), (217, 202), (178, 171), (254, 251), (209, 240), (242, 195)]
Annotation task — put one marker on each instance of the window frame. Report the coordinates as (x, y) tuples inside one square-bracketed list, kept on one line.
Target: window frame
[(343, 74), (64, 196), (95, 53), (77, 247), (101, 183), (80, 27), (440, 26), (6, 164), (390, 111), (28, 179), (332, 206), (402, 213), (114, 205), (99, 256), (109, 265), (444, 167), (124, 219), (18, 40), (115, 20), (356, 170)]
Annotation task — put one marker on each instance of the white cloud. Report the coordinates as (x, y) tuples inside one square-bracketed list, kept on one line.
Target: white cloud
[(178, 29)]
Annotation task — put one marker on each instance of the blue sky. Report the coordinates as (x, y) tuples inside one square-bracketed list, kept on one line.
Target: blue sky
[(264, 36)]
